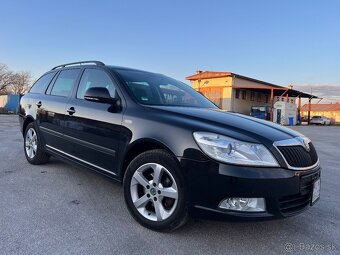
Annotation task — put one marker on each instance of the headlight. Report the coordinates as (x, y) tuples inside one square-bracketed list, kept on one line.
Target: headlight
[(229, 150)]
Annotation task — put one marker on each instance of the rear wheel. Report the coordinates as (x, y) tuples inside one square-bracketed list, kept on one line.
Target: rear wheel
[(32, 146), (154, 191)]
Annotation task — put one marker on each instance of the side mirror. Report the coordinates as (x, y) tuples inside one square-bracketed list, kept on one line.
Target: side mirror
[(99, 94), (102, 95)]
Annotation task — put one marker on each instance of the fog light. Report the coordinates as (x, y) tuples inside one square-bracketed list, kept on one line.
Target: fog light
[(244, 204)]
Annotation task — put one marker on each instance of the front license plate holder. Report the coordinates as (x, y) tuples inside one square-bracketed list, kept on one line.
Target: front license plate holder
[(316, 191)]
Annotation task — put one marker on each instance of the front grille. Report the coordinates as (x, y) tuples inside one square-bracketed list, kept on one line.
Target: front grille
[(290, 205), (297, 156)]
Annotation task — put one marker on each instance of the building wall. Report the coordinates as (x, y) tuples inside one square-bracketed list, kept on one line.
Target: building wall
[(210, 87), (212, 82), (3, 100), (9, 103), (237, 81), (221, 92), (243, 106), (334, 115), (228, 100)]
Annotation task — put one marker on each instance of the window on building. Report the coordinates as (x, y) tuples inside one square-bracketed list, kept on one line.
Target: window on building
[(237, 93), (259, 97), (252, 96), (266, 99), (244, 94)]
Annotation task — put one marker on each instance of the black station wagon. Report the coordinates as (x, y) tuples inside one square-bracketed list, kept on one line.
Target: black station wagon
[(175, 152)]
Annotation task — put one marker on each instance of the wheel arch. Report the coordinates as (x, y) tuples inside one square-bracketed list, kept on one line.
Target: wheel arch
[(28, 120), (138, 147)]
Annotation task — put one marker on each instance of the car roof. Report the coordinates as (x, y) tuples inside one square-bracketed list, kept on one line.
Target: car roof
[(94, 63), (119, 68)]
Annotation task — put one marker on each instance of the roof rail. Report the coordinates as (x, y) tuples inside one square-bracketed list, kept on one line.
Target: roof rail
[(98, 63)]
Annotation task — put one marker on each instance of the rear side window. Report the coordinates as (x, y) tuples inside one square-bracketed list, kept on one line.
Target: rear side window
[(65, 82), (40, 85)]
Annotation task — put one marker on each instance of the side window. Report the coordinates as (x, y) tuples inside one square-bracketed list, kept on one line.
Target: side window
[(65, 82), (95, 78), (40, 85)]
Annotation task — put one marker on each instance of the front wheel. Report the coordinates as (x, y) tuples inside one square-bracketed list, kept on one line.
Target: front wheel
[(154, 191)]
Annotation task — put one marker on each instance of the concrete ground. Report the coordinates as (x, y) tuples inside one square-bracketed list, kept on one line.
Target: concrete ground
[(61, 209)]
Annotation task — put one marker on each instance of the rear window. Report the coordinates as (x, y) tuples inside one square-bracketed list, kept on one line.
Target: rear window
[(65, 82), (40, 85)]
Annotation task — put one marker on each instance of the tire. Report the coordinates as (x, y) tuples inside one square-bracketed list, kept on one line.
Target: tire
[(33, 146), (145, 193)]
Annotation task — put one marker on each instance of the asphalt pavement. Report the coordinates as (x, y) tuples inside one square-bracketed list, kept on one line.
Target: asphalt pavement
[(62, 209)]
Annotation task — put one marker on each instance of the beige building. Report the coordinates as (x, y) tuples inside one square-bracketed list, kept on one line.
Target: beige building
[(330, 110), (238, 93)]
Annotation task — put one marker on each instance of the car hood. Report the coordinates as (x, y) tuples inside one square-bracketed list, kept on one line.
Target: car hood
[(236, 125)]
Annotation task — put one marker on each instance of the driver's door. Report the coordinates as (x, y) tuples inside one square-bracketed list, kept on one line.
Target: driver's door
[(90, 127)]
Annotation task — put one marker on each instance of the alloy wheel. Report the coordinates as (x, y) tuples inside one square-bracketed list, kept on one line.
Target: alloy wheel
[(31, 143), (154, 192)]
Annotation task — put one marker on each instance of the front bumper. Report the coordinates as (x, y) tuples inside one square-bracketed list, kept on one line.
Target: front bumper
[(286, 192)]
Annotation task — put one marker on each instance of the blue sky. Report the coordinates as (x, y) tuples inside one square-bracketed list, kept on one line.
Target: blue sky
[(284, 42)]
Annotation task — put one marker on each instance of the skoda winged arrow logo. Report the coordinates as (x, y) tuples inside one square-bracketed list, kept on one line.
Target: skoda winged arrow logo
[(305, 143)]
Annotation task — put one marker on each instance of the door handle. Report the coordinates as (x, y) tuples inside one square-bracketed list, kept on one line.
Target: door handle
[(39, 104), (71, 110)]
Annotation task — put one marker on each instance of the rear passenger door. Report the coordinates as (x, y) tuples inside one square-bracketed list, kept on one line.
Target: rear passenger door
[(51, 113), (91, 127)]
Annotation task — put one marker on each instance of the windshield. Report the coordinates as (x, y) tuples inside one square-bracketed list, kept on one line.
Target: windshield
[(158, 89), (258, 109)]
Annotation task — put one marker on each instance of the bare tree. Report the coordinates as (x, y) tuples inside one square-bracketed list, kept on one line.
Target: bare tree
[(20, 82), (14, 82), (6, 77)]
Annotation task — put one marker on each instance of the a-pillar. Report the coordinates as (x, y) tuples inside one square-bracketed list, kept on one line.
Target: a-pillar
[(272, 104), (309, 108)]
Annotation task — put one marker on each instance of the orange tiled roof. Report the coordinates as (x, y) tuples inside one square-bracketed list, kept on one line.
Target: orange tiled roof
[(207, 75), (322, 107)]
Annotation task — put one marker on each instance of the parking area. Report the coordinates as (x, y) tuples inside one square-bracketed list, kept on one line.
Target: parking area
[(62, 209)]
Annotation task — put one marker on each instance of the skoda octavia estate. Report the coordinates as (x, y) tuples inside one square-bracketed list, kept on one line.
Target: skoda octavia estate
[(175, 152)]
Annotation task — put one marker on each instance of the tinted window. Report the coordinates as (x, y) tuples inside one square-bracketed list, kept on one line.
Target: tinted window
[(157, 89), (64, 83), (40, 85), (95, 78)]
